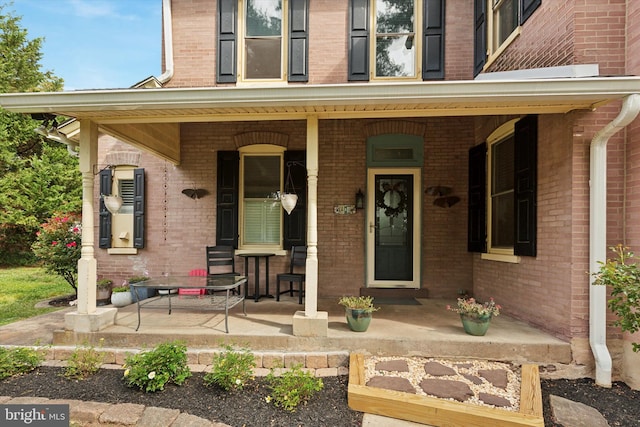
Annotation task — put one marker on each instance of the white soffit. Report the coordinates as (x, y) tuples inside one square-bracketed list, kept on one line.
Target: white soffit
[(444, 98)]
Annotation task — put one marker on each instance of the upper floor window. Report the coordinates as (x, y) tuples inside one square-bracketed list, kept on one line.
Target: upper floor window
[(407, 39), (497, 24), (262, 40), (395, 42)]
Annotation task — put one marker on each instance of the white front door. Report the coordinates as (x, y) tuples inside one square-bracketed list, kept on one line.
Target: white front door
[(393, 227)]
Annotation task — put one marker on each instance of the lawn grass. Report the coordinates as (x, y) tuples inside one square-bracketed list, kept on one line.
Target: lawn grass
[(22, 287)]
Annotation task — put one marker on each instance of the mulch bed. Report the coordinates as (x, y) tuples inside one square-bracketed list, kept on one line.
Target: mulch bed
[(246, 407), (618, 404)]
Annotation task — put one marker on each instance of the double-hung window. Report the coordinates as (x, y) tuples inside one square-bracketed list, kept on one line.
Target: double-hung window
[(501, 194), (262, 40), (395, 42), (261, 214), (402, 39), (497, 24), (249, 216), (502, 191)]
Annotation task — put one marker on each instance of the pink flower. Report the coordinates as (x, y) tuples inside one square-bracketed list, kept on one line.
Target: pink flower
[(75, 229), (71, 245), (55, 242)]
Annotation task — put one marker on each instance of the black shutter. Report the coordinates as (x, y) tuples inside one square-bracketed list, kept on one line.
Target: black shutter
[(527, 7), (227, 198), (526, 156), (295, 224), (298, 40), (477, 231), (227, 44), (138, 208), (480, 42), (104, 220), (359, 40), (433, 46)]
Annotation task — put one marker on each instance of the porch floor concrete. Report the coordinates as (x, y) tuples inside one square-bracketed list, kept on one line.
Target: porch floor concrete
[(427, 329)]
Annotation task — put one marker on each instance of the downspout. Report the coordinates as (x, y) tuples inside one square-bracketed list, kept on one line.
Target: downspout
[(598, 236), (168, 42)]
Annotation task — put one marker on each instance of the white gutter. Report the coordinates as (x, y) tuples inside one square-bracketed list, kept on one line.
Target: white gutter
[(168, 42), (598, 236)]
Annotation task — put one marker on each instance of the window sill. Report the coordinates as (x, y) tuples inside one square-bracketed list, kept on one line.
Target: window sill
[(513, 259), (277, 252), (122, 251)]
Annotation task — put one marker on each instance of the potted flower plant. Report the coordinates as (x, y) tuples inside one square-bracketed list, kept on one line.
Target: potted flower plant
[(120, 296), (103, 291), (358, 311), (476, 316)]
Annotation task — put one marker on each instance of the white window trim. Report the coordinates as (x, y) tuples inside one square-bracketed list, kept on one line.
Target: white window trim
[(267, 150), (503, 131), (493, 54), (121, 223), (241, 80), (418, 31)]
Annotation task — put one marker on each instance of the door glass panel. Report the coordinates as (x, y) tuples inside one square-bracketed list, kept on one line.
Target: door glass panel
[(394, 227)]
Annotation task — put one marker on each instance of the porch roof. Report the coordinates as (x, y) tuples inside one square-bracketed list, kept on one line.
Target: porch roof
[(149, 118), (292, 102)]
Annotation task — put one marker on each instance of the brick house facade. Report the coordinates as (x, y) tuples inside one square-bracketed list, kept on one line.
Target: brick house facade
[(548, 288)]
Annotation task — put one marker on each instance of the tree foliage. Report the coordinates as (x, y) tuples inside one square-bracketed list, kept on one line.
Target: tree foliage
[(37, 176)]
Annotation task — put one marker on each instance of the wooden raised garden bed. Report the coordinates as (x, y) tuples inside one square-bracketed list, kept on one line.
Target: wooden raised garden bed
[(444, 412)]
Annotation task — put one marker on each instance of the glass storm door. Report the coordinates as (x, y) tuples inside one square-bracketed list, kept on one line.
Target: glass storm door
[(393, 237)]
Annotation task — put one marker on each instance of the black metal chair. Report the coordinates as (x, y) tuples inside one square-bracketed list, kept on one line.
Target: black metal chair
[(221, 262), (298, 259)]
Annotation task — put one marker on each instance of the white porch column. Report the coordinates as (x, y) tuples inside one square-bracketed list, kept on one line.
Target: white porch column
[(311, 322), (88, 318)]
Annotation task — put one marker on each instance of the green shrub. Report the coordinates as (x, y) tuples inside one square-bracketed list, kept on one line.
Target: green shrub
[(19, 360), (83, 362), (58, 245), (292, 387), (231, 369), (622, 274), (152, 370)]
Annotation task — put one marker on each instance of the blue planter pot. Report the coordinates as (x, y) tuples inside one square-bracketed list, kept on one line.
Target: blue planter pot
[(143, 293)]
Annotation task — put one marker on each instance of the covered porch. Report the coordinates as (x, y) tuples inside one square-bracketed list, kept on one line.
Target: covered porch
[(411, 327)]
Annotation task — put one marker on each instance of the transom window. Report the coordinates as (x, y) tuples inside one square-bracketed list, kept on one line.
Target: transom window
[(261, 179), (396, 50), (264, 41)]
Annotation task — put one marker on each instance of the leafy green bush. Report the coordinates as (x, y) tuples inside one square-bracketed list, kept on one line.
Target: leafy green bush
[(623, 277), (231, 369), (83, 362), (18, 360), (292, 387), (152, 370), (58, 245)]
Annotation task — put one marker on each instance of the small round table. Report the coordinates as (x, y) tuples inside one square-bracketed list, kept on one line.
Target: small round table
[(256, 256)]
